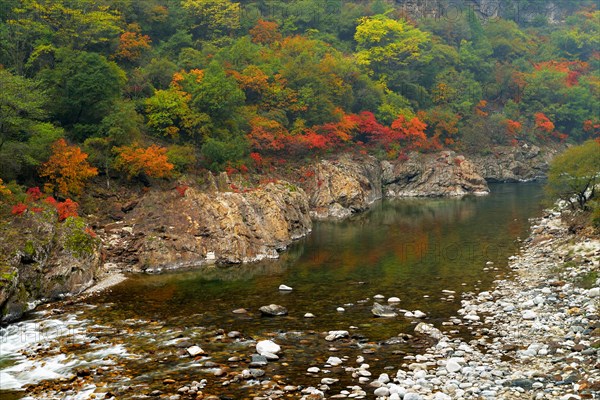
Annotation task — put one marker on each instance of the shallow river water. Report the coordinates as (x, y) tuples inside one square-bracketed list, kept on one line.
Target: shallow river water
[(132, 337)]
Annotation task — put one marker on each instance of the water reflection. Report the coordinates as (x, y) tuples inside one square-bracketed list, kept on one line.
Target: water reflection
[(407, 248)]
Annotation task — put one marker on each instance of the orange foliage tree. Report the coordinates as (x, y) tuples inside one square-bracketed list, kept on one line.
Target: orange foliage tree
[(151, 161), (543, 123), (265, 32), (413, 131), (67, 169), (513, 128), (132, 45), (4, 191), (442, 126)]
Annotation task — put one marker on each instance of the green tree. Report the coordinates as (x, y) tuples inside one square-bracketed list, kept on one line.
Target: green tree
[(83, 88), (217, 94), (34, 25), (25, 134), (574, 174)]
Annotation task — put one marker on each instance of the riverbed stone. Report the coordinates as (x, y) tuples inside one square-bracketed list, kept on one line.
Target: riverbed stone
[(335, 335), (267, 346), (273, 310), (379, 310), (194, 351)]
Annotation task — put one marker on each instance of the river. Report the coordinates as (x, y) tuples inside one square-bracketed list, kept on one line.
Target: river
[(127, 340)]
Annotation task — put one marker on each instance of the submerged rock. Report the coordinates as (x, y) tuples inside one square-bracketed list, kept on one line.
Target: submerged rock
[(273, 310), (379, 310)]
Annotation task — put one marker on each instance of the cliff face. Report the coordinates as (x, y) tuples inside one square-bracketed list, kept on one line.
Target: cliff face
[(344, 186), (514, 164), (432, 175), (347, 185), (41, 260), (167, 230)]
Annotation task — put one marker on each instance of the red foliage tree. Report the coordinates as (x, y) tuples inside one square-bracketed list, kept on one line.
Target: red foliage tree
[(513, 128), (543, 123), (66, 209), (267, 135)]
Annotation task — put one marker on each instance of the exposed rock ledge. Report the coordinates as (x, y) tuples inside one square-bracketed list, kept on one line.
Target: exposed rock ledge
[(347, 185), (515, 164), (166, 230), (42, 260)]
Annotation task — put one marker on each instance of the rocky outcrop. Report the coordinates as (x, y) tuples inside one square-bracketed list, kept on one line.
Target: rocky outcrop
[(514, 164), (432, 175), (167, 230), (345, 186), (41, 259), (349, 184)]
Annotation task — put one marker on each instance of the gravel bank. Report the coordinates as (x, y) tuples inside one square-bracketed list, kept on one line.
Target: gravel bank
[(535, 336)]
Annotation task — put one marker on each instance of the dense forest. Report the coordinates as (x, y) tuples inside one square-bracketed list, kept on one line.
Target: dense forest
[(156, 88)]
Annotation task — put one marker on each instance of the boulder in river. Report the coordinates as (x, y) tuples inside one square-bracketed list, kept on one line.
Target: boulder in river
[(195, 351), (267, 346), (429, 330), (273, 310), (379, 310), (334, 335)]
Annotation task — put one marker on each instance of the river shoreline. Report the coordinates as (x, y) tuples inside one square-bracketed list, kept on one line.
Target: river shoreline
[(535, 335)]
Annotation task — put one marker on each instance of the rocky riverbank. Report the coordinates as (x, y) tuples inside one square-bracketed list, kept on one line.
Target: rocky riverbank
[(515, 164), (349, 184), (535, 336), (43, 260)]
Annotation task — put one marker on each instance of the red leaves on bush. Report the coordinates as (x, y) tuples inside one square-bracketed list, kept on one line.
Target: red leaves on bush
[(181, 189), (257, 158), (51, 201), (33, 194), (90, 232), (542, 122), (18, 209), (66, 209)]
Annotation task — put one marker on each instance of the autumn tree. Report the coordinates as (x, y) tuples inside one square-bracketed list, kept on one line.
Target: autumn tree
[(132, 44), (265, 32), (574, 174), (4, 191), (151, 161), (67, 169)]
